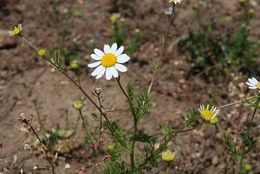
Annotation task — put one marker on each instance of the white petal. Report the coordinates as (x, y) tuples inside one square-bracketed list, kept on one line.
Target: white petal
[(101, 73), (123, 58), (120, 67), (114, 71), (95, 57), (107, 48), (108, 74), (217, 112), (93, 65), (252, 80), (97, 70), (249, 84), (252, 87), (119, 51), (99, 52), (114, 47)]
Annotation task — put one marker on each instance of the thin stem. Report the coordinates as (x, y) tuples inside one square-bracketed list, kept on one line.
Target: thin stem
[(100, 121), (254, 113), (121, 87), (44, 150), (163, 46), (236, 102), (168, 169), (190, 129), (84, 123)]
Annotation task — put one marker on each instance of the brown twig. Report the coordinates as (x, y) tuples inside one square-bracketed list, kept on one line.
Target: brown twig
[(27, 122)]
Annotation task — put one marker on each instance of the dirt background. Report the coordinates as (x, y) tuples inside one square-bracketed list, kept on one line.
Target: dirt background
[(29, 85)]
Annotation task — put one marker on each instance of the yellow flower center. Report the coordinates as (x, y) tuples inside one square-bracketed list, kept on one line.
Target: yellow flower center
[(207, 114), (108, 60), (258, 85), (17, 30)]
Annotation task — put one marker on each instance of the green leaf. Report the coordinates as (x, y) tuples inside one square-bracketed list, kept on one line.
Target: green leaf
[(141, 136), (167, 130), (56, 59)]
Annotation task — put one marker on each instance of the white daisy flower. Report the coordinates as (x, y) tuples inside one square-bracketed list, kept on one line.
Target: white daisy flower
[(108, 62), (253, 83)]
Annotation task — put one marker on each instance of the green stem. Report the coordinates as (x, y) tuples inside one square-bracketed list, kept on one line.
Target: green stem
[(84, 123), (168, 169), (241, 159), (254, 113), (237, 102), (132, 152)]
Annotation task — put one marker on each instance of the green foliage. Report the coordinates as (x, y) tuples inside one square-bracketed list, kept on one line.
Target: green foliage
[(70, 56), (51, 138), (119, 35), (139, 103), (117, 133), (115, 167), (56, 58), (230, 144), (167, 130), (247, 141), (141, 136), (207, 47), (192, 118), (134, 43), (148, 159)]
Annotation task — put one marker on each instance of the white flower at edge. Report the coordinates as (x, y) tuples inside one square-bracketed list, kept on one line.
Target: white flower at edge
[(108, 62), (253, 83), (175, 1)]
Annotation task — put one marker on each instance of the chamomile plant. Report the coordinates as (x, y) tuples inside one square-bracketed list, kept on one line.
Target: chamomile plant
[(121, 155)]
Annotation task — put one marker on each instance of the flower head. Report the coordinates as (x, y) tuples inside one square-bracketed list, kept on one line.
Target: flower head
[(114, 18), (41, 52), (74, 64), (209, 113), (110, 147), (248, 167), (108, 62), (78, 104), (168, 155), (253, 83), (175, 1), (17, 30)]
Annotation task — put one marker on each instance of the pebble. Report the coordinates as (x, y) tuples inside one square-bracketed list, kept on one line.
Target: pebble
[(7, 41)]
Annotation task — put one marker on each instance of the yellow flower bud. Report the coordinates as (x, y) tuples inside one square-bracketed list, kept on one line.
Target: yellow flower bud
[(41, 52), (248, 167), (74, 65), (214, 120), (110, 147), (114, 18), (78, 104)]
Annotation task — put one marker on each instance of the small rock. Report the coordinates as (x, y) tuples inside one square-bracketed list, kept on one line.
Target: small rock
[(6, 41), (215, 160)]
